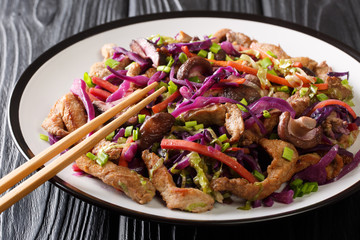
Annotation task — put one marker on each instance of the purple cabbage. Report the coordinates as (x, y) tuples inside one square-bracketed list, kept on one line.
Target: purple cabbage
[(193, 46), (317, 172), (266, 103), (118, 135), (112, 76), (285, 196), (131, 152), (349, 167), (79, 89), (338, 74), (132, 56), (138, 80), (185, 92), (229, 49), (120, 93), (183, 163)]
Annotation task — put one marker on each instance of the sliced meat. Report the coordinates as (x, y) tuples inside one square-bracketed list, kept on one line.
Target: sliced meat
[(220, 35), (108, 148), (67, 115), (155, 128), (137, 187), (322, 69), (277, 50), (306, 62), (150, 72), (334, 126), (99, 69), (188, 199), (250, 90), (107, 51), (307, 160), (238, 39), (279, 171), (338, 91), (147, 49), (282, 95), (134, 69), (183, 37), (210, 115), (299, 104), (234, 123)]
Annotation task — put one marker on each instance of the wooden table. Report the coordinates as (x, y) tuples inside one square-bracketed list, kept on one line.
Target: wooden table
[(28, 28)]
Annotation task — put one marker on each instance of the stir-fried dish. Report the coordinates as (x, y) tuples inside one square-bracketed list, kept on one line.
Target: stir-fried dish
[(240, 120)]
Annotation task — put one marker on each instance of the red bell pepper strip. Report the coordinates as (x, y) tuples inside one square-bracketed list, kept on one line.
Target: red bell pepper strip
[(210, 152), (333, 102), (163, 105), (104, 84), (234, 149), (99, 93)]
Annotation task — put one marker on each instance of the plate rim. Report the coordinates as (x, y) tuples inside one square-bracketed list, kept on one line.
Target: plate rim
[(14, 102)]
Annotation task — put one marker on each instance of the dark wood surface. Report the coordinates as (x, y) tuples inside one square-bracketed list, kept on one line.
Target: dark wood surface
[(28, 28)]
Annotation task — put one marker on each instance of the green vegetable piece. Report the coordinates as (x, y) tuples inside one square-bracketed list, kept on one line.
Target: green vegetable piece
[(259, 176), (162, 84), (223, 138), (135, 134), (266, 114), (128, 131), (102, 158), (123, 187), (319, 80), (44, 137), (296, 183), (265, 63), (190, 124), (91, 156), (244, 102), (111, 63), (215, 48), (170, 61), (172, 87), (247, 206), (182, 57), (192, 206), (271, 54), (110, 136), (272, 72), (313, 89), (284, 89), (88, 81), (141, 118), (198, 127), (288, 153), (345, 82), (225, 146), (195, 79), (203, 53), (198, 164), (322, 97), (211, 56), (163, 68), (227, 58), (303, 91)]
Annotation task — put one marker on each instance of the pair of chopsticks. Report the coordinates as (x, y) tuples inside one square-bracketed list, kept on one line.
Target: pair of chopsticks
[(75, 152)]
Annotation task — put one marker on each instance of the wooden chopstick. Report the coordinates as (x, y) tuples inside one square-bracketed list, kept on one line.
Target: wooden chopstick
[(75, 152)]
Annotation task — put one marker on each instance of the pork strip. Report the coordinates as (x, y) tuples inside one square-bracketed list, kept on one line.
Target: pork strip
[(137, 187), (188, 199)]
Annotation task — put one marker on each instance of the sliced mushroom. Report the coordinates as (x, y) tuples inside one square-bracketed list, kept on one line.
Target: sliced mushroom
[(302, 132), (155, 128), (147, 49), (195, 66)]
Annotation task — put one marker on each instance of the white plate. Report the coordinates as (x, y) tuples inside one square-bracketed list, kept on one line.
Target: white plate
[(51, 76)]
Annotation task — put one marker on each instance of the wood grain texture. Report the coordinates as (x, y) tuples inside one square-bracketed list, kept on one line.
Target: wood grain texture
[(28, 28)]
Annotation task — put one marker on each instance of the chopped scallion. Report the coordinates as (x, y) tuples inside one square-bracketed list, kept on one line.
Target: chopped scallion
[(288, 153), (91, 156), (195, 79), (190, 123), (223, 138), (88, 81), (135, 134), (102, 158), (128, 131), (266, 114), (111, 63), (265, 63), (44, 137), (225, 146), (303, 91), (271, 54), (322, 97), (258, 175), (227, 58), (211, 55), (182, 57), (215, 48), (110, 136), (198, 127), (202, 53), (319, 80), (172, 87), (163, 68), (170, 61), (141, 118)]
